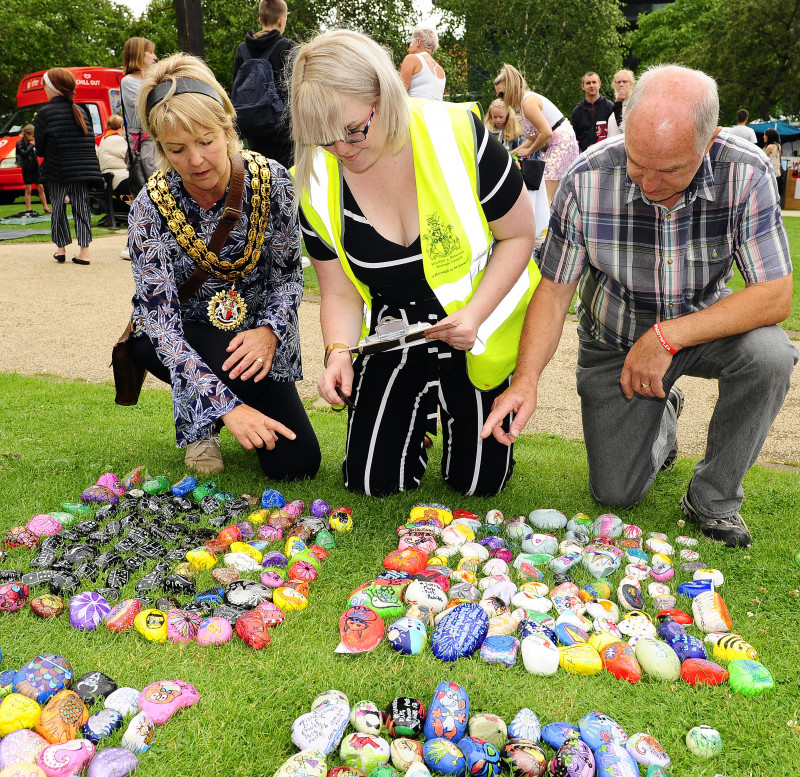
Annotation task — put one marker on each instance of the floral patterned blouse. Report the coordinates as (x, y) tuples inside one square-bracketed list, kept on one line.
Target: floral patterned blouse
[(272, 292)]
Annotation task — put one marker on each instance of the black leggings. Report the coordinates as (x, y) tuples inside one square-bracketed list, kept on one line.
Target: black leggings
[(289, 459)]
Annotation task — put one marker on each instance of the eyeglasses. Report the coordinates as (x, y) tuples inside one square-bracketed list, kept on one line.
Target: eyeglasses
[(354, 136)]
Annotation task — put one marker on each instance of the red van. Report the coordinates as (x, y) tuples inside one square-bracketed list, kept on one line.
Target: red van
[(96, 87)]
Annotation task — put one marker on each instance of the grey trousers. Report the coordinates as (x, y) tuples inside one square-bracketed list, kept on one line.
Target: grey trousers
[(627, 440)]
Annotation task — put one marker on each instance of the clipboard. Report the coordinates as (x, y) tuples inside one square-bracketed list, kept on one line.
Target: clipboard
[(410, 335)]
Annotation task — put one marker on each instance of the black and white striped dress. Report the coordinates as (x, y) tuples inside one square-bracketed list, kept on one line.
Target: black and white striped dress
[(397, 393)]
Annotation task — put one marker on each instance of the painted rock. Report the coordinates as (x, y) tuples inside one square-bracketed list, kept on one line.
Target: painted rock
[(271, 613), (44, 525), (93, 687), (381, 598), (161, 700), (687, 646), (182, 626), (699, 670), (331, 696), (20, 537), (224, 576), (447, 713), (694, 588), (630, 597), (580, 658), (500, 649), (18, 712), (404, 752), (407, 636), (242, 562), (679, 616), (364, 751), (646, 750), (102, 725), (657, 659), (366, 718), (444, 758), (482, 758), (555, 734), (620, 659), (598, 729), (460, 632), (732, 646), (485, 727), (289, 599), (321, 729), (427, 594), (87, 610), (48, 606), (547, 519), (406, 560), (540, 655), (139, 736), (525, 725), (43, 677), (306, 763), (714, 575), (214, 631), (710, 612), (252, 630), (23, 770), (121, 617), (524, 758), (404, 717), (573, 759), (152, 625), (613, 760), (62, 717), (361, 629), (704, 741), (124, 700), (13, 596), (21, 746), (201, 558), (749, 677), (65, 759)]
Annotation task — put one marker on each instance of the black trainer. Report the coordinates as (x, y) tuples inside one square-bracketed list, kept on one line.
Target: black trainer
[(732, 531), (676, 399)]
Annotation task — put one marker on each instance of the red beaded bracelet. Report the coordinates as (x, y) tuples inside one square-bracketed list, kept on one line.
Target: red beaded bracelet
[(663, 340)]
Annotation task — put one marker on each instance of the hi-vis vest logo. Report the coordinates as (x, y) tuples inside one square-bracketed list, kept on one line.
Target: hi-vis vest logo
[(440, 239)]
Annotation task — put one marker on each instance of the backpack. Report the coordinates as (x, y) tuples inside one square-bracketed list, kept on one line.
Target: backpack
[(259, 107)]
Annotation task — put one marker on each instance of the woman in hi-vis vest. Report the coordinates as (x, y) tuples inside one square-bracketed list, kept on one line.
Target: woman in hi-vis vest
[(398, 227)]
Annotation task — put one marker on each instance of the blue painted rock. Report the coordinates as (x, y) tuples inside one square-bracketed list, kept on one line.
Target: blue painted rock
[(139, 736), (555, 734), (361, 629), (573, 759), (646, 750), (669, 629), (184, 486), (698, 670), (113, 762), (749, 677), (599, 729), (21, 746), (613, 760), (695, 587), (66, 758), (524, 758), (272, 498), (125, 701), (704, 741), (686, 646), (500, 649), (102, 725), (404, 717), (13, 596), (321, 729), (407, 636), (460, 632), (657, 659), (482, 758), (444, 758), (87, 610), (569, 634), (447, 713), (620, 659), (43, 677), (525, 725), (630, 597), (62, 717), (540, 655), (364, 751)]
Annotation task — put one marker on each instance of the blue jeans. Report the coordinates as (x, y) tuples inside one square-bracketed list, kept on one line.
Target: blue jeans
[(627, 440)]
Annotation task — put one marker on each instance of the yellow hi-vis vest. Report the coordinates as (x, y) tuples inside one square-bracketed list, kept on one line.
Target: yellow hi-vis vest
[(456, 239)]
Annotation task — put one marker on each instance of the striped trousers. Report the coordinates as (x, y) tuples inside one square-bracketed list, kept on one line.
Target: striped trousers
[(78, 193), (396, 396)]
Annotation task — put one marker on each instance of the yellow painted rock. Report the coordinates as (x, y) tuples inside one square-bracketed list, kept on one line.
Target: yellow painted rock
[(257, 517), (580, 658), (18, 712), (243, 547), (306, 763), (289, 599), (201, 558), (22, 770), (62, 717), (602, 639), (463, 576), (152, 625), (423, 512), (437, 561), (468, 564), (293, 545), (186, 569), (732, 646), (502, 624)]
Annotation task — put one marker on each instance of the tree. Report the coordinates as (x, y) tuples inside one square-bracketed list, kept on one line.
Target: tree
[(552, 42)]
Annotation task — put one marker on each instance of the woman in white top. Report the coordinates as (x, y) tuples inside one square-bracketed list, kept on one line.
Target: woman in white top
[(137, 56), (624, 81), (422, 75), (546, 128)]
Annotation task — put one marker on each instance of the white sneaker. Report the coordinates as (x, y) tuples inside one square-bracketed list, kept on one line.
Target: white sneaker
[(125, 254), (204, 456), (305, 262)]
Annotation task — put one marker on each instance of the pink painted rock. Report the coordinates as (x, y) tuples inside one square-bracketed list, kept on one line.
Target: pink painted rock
[(272, 614), (182, 626), (269, 532), (110, 480), (13, 596), (214, 631), (161, 700), (44, 525), (22, 746), (66, 758)]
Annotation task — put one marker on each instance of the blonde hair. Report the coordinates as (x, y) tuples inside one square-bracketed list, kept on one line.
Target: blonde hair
[(512, 129), (114, 121), (341, 63), (28, 129), (428, 38), (515, 85), (185, 111), (133, 54)]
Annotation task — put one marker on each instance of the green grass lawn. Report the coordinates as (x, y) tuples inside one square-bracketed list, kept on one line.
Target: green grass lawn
[(56, 438), (19, 205)]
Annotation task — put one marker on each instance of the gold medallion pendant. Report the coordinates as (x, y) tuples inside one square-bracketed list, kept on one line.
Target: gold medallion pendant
[(227, 309)]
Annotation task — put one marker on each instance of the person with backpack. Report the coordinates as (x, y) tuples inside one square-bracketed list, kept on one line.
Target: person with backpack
[(260, 90)]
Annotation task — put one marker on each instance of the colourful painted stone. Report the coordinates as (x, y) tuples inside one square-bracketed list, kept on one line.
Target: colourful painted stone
[(613, 760), (66, 758), (62, 717), (124, 700), (749, 677), (43, 677), (139, 736), (364, 751), (500, 649), (113, 762), (21, 746), (404, 717), (22, 770), (87, 610), (18, 712), (121, 617), (93, 687), (161, 700), (573, 759), (407, 635), (366, 718), (152, 625), (482, 758), (597, 729), (646, 750), (13, 596), (361, 629), (252, 630), (460, 632), (321, 729), (657, 659), (102, 725), (407, 560), (182, 626), (580, 658), (619, 659), (524, 758), (444, 758), (699, 670), (404, 752), (555, 734), (225, 575), (289, 599), (704, 741), (447, 713), (306, 763), (44, 525), (201, 558), (710, 612)]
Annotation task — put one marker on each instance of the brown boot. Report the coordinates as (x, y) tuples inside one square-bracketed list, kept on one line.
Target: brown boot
[(204, 456)]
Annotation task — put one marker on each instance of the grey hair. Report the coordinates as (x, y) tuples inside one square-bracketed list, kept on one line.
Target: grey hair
[(704, 113), (428, 37)]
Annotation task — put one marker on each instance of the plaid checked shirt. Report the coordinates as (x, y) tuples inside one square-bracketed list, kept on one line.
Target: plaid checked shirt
[(639, 263)]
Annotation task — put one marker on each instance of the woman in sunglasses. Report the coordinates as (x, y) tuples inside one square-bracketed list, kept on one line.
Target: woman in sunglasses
[(413, 213)]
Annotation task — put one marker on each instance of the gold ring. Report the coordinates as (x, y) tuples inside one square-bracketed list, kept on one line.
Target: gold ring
[(645, 385), (259, 360)]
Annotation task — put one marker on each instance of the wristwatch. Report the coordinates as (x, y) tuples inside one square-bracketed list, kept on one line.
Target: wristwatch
[(330, 349)]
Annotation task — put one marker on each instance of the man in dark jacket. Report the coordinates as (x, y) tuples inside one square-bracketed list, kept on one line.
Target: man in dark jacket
[(272, 14), (593, 108)]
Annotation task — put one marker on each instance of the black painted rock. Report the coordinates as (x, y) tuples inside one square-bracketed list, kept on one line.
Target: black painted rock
[(158, 534), (53, 544), (88, 571), (93, 687), (562, 577), (209, 505), (176, 531), (152, 550), (404, 717), (77, 554), (7, 575), (109, 594), (203, 609), (152, 581), (43, 559), (179, 584), (169, 511), (108, 560), (67, 536), (34, 579), (134, 563), (62, 566), (98, 538), (108, 510), (113, 528), (85, 528), (167, 603), (247, 594), (237, 507), (229, 613), (163, 567), (145, 601), (118, 578), (201, 535), (125, 545), (138, 535), (193, 517), (184, 504), (64, 583), (218, 521), (175, 555)]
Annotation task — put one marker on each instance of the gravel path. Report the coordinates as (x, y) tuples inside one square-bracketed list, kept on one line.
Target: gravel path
[(63, 320)]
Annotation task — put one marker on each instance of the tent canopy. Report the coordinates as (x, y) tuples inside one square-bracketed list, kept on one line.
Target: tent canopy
[(786, 132)]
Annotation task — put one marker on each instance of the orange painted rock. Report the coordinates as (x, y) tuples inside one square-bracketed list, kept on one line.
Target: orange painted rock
[(62, 717), (48, 606), (620, 660), (699, 670), (407, 560), (252, 630), (361, 630)]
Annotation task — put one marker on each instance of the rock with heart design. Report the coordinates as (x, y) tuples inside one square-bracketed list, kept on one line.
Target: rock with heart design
[(322, 728)]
